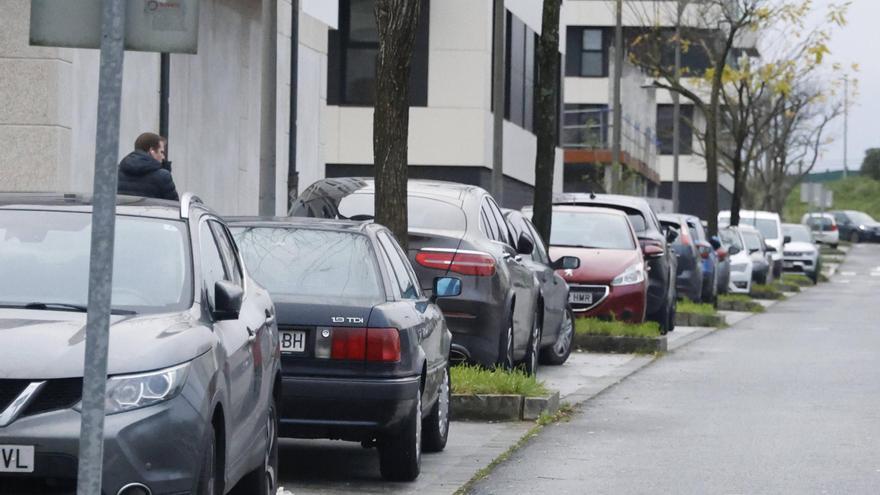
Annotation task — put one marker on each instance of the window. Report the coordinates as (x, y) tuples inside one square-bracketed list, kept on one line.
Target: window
[(585, 126), (212, 262), (520, 73), (665, 123), (540, 252), (587, 52), (503, 234), (351, 78), (405, 280), (227, 251), (590, 230)]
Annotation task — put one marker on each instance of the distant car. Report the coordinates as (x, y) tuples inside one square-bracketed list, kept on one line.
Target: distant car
[(760, 251), (769, 225), (655, 241), (741, 265), (194, 372), (857, 226), (558, 323), (713, 265), (689, 277), (824, 228), (801, 254), (611, 282), (365, 352), (455, 230)]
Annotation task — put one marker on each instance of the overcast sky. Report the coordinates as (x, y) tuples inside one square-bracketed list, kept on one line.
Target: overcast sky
[(858, 42)]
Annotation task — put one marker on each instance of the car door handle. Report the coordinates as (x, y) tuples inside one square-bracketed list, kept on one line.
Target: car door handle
[(252, 335)]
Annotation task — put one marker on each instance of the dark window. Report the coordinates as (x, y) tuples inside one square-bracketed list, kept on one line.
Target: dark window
[(503, 232), (351, 78), (406, 282), (587, 52), (488, 221), (665, 123), (520, 73), (422, 213), (227, 251), (212, 262), (540, 252)]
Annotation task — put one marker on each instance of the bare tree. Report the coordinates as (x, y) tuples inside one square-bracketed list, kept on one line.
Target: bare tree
[(546, 122), (396, 21)]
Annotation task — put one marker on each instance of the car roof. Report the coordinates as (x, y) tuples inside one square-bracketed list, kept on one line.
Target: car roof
[(301, 223), (753, 213), (59, 201), (584, 209), (416, 187), (632, 202)]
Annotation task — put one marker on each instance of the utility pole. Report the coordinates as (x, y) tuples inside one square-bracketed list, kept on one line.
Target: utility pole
[(676, 113), (618, 117), (292, 174), (268, 110), (498, 104), (845, 125)]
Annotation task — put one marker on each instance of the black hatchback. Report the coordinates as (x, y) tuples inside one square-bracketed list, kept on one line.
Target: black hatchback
[(365, 353)]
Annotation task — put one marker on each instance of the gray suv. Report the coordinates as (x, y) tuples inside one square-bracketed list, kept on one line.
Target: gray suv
[(194, 366)]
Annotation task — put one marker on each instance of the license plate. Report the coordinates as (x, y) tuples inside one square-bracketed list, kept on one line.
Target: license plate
[(293, 340), (16, 459), (581, 297)]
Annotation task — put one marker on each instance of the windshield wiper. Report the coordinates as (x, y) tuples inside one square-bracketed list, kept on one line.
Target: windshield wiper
[(51, 306)]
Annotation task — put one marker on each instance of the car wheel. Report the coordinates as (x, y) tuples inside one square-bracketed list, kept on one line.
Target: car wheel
[(211, 475), (264, 479), (505, 346), (436, 426), (671, 325), (662, 317), (854, 238), (558, 353), (400, 452), (530, 362)]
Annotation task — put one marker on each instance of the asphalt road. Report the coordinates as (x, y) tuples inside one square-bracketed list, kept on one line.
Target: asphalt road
[(784, 402)]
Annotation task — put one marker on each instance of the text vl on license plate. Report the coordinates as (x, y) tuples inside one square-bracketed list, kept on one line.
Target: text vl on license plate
[(16, 459), (581, 297), (293, 340)]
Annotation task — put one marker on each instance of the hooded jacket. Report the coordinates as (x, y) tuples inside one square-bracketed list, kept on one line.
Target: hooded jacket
[(141, 175)]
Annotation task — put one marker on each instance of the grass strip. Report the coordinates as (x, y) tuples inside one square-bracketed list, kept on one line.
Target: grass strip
[(688, 306), (761, 291), (740, 301), (471, 380), (796, 279), (594, 326)]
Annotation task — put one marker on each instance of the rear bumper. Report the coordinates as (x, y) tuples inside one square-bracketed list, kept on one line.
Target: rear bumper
[(345, 408), (476, 320)]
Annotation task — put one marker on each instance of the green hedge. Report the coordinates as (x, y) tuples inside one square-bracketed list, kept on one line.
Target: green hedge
[(476, 380)]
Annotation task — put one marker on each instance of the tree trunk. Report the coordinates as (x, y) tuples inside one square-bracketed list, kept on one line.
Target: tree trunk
[(712, 154), (546, 123), (738, 183), (396, 21)]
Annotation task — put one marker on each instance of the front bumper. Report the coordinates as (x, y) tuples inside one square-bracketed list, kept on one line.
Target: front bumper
[(801, 264), (345, 408), (159, 446), (625, 303), (740, 282)]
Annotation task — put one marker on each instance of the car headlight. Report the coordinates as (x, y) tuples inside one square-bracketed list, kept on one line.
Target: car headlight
[(632, 275), (738, 267), (128, 392)]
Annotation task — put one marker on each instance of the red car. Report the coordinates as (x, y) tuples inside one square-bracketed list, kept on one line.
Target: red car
[(611, 281)]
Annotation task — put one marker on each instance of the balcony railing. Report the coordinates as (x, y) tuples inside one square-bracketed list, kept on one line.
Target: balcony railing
[(591, 129)]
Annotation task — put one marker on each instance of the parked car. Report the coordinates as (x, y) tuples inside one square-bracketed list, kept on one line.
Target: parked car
[(713, 265), (857, 226), (770, 226), (655, 241), (741, 265), (194, 372), (800, 253), (611, 282), (760, 251), (558, 319), (823, 227), (689, 276), (455, 230), (365, 352)]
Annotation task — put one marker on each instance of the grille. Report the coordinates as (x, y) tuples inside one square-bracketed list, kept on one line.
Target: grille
[(598, 293), (56, 394), (10, 390)]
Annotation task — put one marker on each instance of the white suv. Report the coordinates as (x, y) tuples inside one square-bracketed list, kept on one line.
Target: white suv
[(770, 226)]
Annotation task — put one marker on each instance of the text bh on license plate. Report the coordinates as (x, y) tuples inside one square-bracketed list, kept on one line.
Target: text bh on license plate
[(580, 297), (16, 459), (293, 340)]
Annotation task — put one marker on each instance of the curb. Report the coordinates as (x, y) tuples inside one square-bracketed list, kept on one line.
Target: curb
[(619, 344), (501, 407), (699, 320), (742, 306)]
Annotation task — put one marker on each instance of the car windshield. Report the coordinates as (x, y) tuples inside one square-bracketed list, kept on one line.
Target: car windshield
[(44, 261), (767, 226), (422, 213), (798, 233), (317, 263), (590, 229), (731, 239), (860, 218), (753, 242)]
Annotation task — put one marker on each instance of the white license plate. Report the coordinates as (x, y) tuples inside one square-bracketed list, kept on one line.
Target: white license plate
[(580, 297), (16, 459), (293, 340)]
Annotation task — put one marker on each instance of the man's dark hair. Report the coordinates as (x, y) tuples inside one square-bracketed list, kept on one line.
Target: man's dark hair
[(147, 141)]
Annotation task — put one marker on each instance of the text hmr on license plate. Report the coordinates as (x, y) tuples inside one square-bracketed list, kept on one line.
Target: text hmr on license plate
[(581, 297)]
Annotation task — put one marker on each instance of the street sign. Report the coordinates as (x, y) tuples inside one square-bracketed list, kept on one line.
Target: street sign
[(169, 26), (815, 194)]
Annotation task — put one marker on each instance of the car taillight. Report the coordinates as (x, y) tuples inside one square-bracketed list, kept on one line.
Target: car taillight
[(365, 344), (834, 228), (704, 252), (722, 254), (463, 262)]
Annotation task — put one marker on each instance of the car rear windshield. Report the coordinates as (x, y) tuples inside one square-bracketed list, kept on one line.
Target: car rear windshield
[(591, 230), (798, 233), (768, 227), (422, 213), (44, 258), (316, 263), (820, 223)]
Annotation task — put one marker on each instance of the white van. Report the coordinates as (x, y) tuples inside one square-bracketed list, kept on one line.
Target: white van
[(770, 226)]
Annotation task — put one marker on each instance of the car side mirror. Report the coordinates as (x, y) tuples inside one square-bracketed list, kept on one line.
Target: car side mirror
[(733, 250), (671, 235), (786, 239), (770, 249), (525, 245), (715, 242), (227, 300), (651, 251), (753, 251), (567, 263), (447, 287)]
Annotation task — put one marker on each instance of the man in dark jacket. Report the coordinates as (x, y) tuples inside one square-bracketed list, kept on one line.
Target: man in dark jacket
[(141, 172)]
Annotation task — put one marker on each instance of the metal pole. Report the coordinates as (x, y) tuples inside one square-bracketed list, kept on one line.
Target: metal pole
[(164, 96), (498, 104), (676, 114), (268, 109), (292, 174), (618, 118), (845, 125), (91, 444)]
